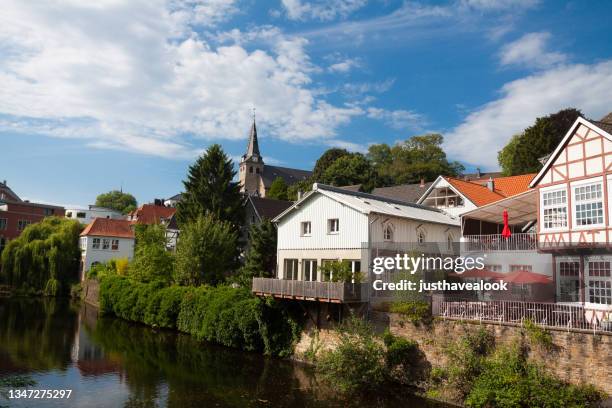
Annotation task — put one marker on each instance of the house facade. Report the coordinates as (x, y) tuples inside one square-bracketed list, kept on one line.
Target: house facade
[(574, 205), (332, 224), (158, 213), (16, 214), (86, 215), (105, 239)]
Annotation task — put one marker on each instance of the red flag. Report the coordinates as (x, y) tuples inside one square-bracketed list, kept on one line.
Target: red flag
[(506, 232)]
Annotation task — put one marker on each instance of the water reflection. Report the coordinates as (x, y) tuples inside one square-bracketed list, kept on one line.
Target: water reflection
[(109, 362)]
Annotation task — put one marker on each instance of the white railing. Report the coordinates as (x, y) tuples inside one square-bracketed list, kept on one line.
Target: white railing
[(516, 242), (569, 317), (324, 291)]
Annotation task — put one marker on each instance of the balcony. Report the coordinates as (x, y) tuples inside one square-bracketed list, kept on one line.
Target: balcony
[(571, 317), (486, 243), (333, 292)]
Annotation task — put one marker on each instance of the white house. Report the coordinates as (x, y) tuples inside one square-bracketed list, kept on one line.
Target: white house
[(330, 223), (105, 239), (86, 216)]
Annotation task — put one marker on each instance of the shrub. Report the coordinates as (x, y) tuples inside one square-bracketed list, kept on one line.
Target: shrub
[(509, 380), (538, 335), (357, 363), (223, 315), (152, 262), (415, 310), (404, 361)]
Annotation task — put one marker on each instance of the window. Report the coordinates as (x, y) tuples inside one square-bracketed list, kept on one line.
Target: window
[(554, 204), (569, 281), (2, 223), (306, 228), (421, 237), (22, 224), (83, 243), (598, 281), (105, 243), (95, 243), (355, 265), (588, 204), (327, 275), (388, 232), (514, 268), (115, 245), (81, 215), (250, 169), (257, 170), (449, 242), (291, 269), (48, 211), (333, 226), (493, 268), (309, 270)]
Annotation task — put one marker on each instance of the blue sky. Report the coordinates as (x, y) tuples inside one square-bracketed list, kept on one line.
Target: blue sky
[(125, 93)]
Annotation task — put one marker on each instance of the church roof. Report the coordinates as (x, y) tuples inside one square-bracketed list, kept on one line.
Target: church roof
[(291, 176), (253, 147)]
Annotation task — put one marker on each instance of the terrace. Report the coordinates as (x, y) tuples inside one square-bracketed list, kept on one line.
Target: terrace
[(574, 317), (332, 292)]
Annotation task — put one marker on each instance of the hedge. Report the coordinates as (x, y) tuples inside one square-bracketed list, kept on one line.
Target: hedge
[(232, 317)]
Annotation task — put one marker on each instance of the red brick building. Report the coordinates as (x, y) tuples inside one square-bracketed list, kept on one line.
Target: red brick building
[(16, 214)]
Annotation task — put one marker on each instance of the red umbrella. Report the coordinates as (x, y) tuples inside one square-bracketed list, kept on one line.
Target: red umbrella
[(506, 232), (523, 277)]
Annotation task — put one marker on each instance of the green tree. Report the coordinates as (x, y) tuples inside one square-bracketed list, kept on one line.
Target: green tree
[(381, 157), (206, 250), (302, 186), (351, 169), (152, 262), (327, 159), (522, 152), (45, 257), (261, 256), (210, 189), (117, 200), (278, 189)]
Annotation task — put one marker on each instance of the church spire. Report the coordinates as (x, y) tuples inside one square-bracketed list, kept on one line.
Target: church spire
[(253, 147)]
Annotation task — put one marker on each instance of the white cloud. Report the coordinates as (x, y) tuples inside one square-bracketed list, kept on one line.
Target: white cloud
[(344, 66), (202, 12), (586, 87), (500, 4), (398, 119), (323, 10), (531, 51), (134, 75), (350, 146)]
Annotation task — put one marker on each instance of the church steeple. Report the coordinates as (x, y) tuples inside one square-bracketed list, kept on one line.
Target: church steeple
[(253, 147)]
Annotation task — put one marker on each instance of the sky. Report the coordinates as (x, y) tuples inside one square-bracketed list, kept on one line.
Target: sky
[(125, 94)]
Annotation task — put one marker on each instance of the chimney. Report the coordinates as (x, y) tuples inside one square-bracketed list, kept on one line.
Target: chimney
[(4, 182), (478, 174), (422, 182), (491, 184)]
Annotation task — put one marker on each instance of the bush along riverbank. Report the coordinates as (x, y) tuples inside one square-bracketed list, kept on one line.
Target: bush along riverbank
[(224, 315)]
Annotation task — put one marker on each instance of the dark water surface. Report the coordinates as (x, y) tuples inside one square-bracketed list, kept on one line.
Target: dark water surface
[(108, 362)]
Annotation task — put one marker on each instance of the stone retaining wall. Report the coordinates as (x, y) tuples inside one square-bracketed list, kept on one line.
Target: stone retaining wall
[(91, 292)]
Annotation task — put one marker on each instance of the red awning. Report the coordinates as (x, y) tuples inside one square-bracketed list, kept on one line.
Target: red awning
[(525, 277)]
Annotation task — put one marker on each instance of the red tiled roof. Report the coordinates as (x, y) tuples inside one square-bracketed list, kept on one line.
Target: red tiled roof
[(152, 214), (479, 193), (106, 227)]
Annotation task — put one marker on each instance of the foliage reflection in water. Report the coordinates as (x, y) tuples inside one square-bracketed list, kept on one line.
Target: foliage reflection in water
[(110, 362)]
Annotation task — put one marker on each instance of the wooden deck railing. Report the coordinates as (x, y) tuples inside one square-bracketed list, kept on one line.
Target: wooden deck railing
[(337, 292), (569, 317), (496, 242)]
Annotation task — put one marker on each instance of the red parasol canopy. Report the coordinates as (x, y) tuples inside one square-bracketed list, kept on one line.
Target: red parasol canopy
[(523, 277), (506, 232), (478, 273)]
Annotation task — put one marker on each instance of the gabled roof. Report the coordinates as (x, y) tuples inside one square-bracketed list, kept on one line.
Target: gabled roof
[(152, 214), (478, 192), (291, 176), (6, 194), (107, 227), (371, 204), (409, 193), (267, 208), (352, 187), (605, 131)]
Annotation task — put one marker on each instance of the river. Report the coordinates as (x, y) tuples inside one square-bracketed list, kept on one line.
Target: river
[(108, 362)]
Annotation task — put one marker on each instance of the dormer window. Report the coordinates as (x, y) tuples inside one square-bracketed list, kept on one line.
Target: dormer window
[(388, 232), (306, 228)]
